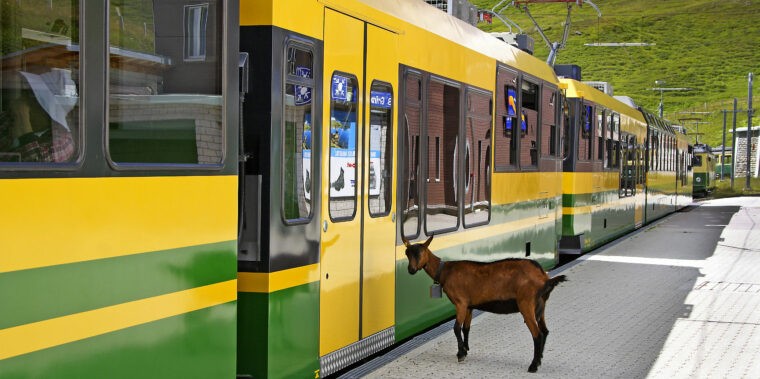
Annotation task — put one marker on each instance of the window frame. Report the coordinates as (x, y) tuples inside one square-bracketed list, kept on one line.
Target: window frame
[(512, 148), (390, 156), (190, 37), (291, 79), (488, 167), (425, 131), (357, 190)]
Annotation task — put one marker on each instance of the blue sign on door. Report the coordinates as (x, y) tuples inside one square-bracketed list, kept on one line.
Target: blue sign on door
[(303, 94), (340, 88), (380, 99)]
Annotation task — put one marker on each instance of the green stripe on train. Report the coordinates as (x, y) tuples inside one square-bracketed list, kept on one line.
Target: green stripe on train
[(48, 292), (199, 344), (278, 333)]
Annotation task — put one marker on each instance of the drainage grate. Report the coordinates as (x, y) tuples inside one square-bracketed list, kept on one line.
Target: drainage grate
[(727, 287)]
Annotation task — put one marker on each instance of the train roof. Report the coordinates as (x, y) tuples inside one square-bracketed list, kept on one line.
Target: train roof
[(702, 148), (576, 89), (424, 16)]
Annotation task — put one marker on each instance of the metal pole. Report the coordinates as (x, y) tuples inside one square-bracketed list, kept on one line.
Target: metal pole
[(747, 186), (733, 147), (723, 152), (662, 104)]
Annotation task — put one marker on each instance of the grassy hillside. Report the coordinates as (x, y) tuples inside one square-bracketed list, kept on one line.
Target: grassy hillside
[(709, 46)]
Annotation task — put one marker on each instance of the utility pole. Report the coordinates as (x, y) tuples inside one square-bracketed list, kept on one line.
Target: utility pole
[(723, 152), (747, 186), (733, 146)]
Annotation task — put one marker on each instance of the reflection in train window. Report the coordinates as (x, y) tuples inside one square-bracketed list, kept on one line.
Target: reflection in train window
[(410, 168), (441, 208), (585, 137), (505, 139), (164, 108), (477, 160), (529, 125), (297, 137), (343, 133), (380, 148), (39, 102)]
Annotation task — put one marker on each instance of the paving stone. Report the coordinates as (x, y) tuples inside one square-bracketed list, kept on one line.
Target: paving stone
[(677, 299)]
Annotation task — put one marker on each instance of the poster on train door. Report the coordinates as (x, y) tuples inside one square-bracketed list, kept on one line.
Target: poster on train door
[(342, 159), (374, 160)]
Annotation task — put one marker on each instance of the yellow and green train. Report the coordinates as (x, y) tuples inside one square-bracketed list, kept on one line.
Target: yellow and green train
[(623, 167), (704, 163), (219, 188)]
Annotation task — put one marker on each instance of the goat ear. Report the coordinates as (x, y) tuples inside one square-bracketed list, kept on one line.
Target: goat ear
[(430, 239), (405, 241)]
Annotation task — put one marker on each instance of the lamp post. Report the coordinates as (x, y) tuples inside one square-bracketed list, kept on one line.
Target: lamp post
[(659, 84)]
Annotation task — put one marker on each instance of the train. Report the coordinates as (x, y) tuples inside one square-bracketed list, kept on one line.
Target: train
[(705, 163), (220, 188), (624, 167), (724, 167)]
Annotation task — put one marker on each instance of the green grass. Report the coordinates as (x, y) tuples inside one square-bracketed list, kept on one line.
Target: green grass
[(724, 188), (707, 45)]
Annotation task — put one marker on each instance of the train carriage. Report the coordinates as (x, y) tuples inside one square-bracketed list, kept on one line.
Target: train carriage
[(118, 189), (666, 149), (378, 118), (624, 167), (704, 164), (221, 188), (603, 182)]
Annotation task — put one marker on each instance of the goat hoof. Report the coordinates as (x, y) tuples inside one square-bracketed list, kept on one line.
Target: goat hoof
[(461, 357), (533, 367)]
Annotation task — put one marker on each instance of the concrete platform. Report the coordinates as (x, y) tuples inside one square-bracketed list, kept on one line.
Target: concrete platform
[(679, 298)]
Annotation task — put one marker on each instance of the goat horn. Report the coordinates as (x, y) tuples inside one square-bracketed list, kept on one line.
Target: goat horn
[(405, 241), (430, 239)]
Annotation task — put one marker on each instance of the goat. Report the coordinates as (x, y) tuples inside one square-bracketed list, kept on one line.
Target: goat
[(506, 286)]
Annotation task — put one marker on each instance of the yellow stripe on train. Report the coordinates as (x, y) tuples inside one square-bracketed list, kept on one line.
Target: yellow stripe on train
[(40, 335), (56, 221)]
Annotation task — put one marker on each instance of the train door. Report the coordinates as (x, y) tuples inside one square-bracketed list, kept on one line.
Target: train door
[(357, 259)]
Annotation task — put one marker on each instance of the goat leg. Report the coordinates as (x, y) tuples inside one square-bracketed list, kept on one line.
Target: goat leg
[(528, 310), (466, 332), (536, 353), (461, 351), (544, 332), (466, 329)]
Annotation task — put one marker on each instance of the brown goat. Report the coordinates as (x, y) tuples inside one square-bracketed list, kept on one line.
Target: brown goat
[(505, 286)]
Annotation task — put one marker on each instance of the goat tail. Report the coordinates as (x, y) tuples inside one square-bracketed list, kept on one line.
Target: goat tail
[(550, 284)]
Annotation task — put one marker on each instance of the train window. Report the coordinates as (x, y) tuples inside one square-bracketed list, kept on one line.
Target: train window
[(380, 148), (587, 126), (655, 151), (39, 98), (529, 125), (441, 208), (505, 139), (343, 135), (609, 137), (163, 108), (298, 136), (567, 115), (410, 172), (477, 160), (548, 133), (600, 134)]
